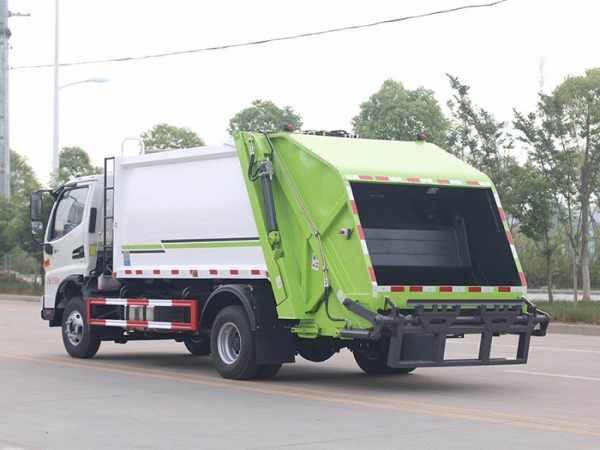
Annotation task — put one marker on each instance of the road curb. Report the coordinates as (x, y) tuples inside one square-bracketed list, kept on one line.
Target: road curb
[(20, 298), (573, 328)]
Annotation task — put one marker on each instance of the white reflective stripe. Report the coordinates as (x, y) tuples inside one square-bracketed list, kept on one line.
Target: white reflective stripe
[(514, 252), (487, 289), (161, 325), (459, 289), (350, 193), (516, 289), (160, 302), (364, 247), (485, 183), (384, 288), (352, 177), (429, 288), (426, 180), (374, 289), (116, 301), (396, 179), (497, 200), (456, 182), (115, 323)]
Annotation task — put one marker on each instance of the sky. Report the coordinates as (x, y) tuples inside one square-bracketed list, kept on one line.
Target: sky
[(495, 50)]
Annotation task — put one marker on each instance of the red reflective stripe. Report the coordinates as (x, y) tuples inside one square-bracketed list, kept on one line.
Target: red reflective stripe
[(372, 273), (137, 302), (504, 289), (97, 301), (361, 234), (473, 183), (256, 272), (382, 178), (128, 272), (413, 180), (397, 288), (416, 289), (522, 276), (156, 272), (139, 272), (98, 322), (137, 324), (502, 216), (213, 272), (509, 237), (365, 177), (443, 181), (174, 272), (234, 272), (181, 326), (182, 302), (445, 288), (474, 289), (353, 204)]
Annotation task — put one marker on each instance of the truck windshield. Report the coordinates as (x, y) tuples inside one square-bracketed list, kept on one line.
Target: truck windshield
[(68, 212)]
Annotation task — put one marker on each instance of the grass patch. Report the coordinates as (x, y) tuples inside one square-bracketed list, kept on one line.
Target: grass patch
[(562, 311), (9, 284)]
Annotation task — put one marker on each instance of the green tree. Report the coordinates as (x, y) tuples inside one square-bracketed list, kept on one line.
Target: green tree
[(74, 161), (264, 115), (170, 137), (478, 138), (535, 210), (397, 113), (563, 136), (14, 212)]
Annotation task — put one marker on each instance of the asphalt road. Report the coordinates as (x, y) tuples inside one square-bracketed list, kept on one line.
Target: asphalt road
[(156, 395)]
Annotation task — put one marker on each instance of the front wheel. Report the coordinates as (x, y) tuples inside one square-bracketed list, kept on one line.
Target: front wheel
[(76, 333), (232, 344), (372, 358)]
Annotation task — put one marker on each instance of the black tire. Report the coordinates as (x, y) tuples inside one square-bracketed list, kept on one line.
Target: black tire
[(76, 333), (267, 372), (232, 344), (372, 358), (198, 345), (315, 352)]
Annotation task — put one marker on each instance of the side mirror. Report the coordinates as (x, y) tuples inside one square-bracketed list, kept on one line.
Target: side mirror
[(35, 209), (37, 228)]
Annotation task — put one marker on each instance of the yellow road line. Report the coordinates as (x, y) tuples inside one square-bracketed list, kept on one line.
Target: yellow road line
[(336, 394), (317, 395)]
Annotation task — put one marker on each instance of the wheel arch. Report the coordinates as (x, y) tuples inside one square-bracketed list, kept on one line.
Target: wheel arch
[(69, 287), (229, 295)]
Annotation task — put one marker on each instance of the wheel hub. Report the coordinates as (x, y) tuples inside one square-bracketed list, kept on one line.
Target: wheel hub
[(229, 343), (74, 327)]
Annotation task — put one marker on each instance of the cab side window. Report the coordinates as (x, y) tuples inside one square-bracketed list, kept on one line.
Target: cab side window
[(69, 212)]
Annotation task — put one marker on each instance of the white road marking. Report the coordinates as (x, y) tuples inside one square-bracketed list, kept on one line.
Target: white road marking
[(554, 349), (553, 375)]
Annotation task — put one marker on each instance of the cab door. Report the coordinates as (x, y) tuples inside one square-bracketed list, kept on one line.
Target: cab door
[(64, 250)]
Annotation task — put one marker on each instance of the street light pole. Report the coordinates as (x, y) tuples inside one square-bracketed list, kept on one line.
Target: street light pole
[(55, 133), (56, 89)]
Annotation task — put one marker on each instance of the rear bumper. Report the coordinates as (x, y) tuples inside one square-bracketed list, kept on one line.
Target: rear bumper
[(419, 339)]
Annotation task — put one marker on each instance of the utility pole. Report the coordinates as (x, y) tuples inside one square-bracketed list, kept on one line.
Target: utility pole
[(4, 143)]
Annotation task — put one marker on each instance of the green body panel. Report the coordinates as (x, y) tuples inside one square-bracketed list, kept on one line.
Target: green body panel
[(311, 183)]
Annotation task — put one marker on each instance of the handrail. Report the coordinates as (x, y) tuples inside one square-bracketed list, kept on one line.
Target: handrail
[(143, 152)]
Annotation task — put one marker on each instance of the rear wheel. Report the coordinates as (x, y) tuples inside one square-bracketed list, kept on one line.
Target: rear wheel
[(232, 344), (76, 333), (198, 345), (372, 358)]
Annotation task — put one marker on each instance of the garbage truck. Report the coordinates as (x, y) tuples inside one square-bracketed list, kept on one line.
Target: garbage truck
[(275, 245)]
